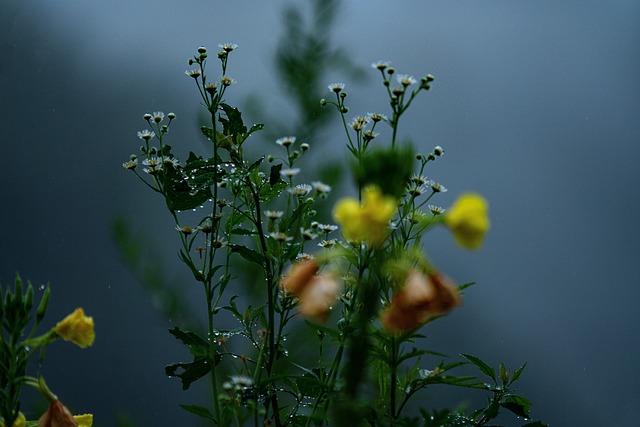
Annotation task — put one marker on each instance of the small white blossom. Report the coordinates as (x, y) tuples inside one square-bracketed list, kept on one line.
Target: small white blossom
[(327, 243), (328, 228), (377, 117), (437, 188), (146, 134), (300, 190), (286, 141), (336, 87), (418, 179), (304, 256), (320, 187), (171, 161), (158, 116), (380, 65), (289, 172), (416, 190), (280, 236), (436, 210), (370, 135), (241, 380), (152, 161), (131, 164), (195, 73), (226, 81), (227, 47), (406, 80), (273, 215)]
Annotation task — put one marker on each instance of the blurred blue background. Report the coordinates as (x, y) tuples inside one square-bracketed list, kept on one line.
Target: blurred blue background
[(535, 103)]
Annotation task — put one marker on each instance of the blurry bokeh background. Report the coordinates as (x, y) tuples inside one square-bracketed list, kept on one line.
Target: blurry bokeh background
[(535, 103)]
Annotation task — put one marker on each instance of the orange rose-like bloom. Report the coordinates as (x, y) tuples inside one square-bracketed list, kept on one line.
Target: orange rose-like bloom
[(59, 416), (77, 328), (366, 221), (317, 298), (299, 277), (420, 298)]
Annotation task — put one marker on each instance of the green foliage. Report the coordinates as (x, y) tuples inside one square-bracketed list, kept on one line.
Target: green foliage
[(18, 343), (365, 363)]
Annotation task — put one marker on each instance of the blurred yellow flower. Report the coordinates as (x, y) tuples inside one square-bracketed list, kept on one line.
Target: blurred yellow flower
[(368, 221), (21, 421), (77, 328), (468, 220)]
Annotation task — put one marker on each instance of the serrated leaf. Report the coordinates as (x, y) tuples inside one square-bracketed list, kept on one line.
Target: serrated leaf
[(199, 411), (233, 124), (182, 193), (188, 372), (486, 369), (197, 345), (517, 373)]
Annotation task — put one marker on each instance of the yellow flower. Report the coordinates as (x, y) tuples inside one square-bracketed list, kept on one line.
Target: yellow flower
[(21, 421), (77, 328), (84, 420), (368, 221), (468, 220)]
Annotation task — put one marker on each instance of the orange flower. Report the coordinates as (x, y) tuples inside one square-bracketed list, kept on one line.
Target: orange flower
[(316, 293), (59, 416), (77, 328), (318, 297), (299, 277), (421, 298)]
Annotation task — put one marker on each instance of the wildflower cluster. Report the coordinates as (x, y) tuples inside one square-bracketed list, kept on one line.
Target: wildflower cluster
[(17, 346), (360, 279)]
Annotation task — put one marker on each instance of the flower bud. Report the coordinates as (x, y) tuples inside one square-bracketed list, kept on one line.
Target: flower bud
[(59, 416), (76, 328)]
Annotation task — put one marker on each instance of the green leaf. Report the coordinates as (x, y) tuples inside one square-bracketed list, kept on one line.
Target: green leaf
[(517, 374), (182, 193), (486, 369), (243, 231), (199, 411), (189, 372), (518, 405), (233, 124), (254, 128), (197, 345), (274, 175), (536, 424), (248, 254)]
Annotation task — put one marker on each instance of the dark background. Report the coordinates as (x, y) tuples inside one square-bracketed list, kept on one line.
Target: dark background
[(535, 103)]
